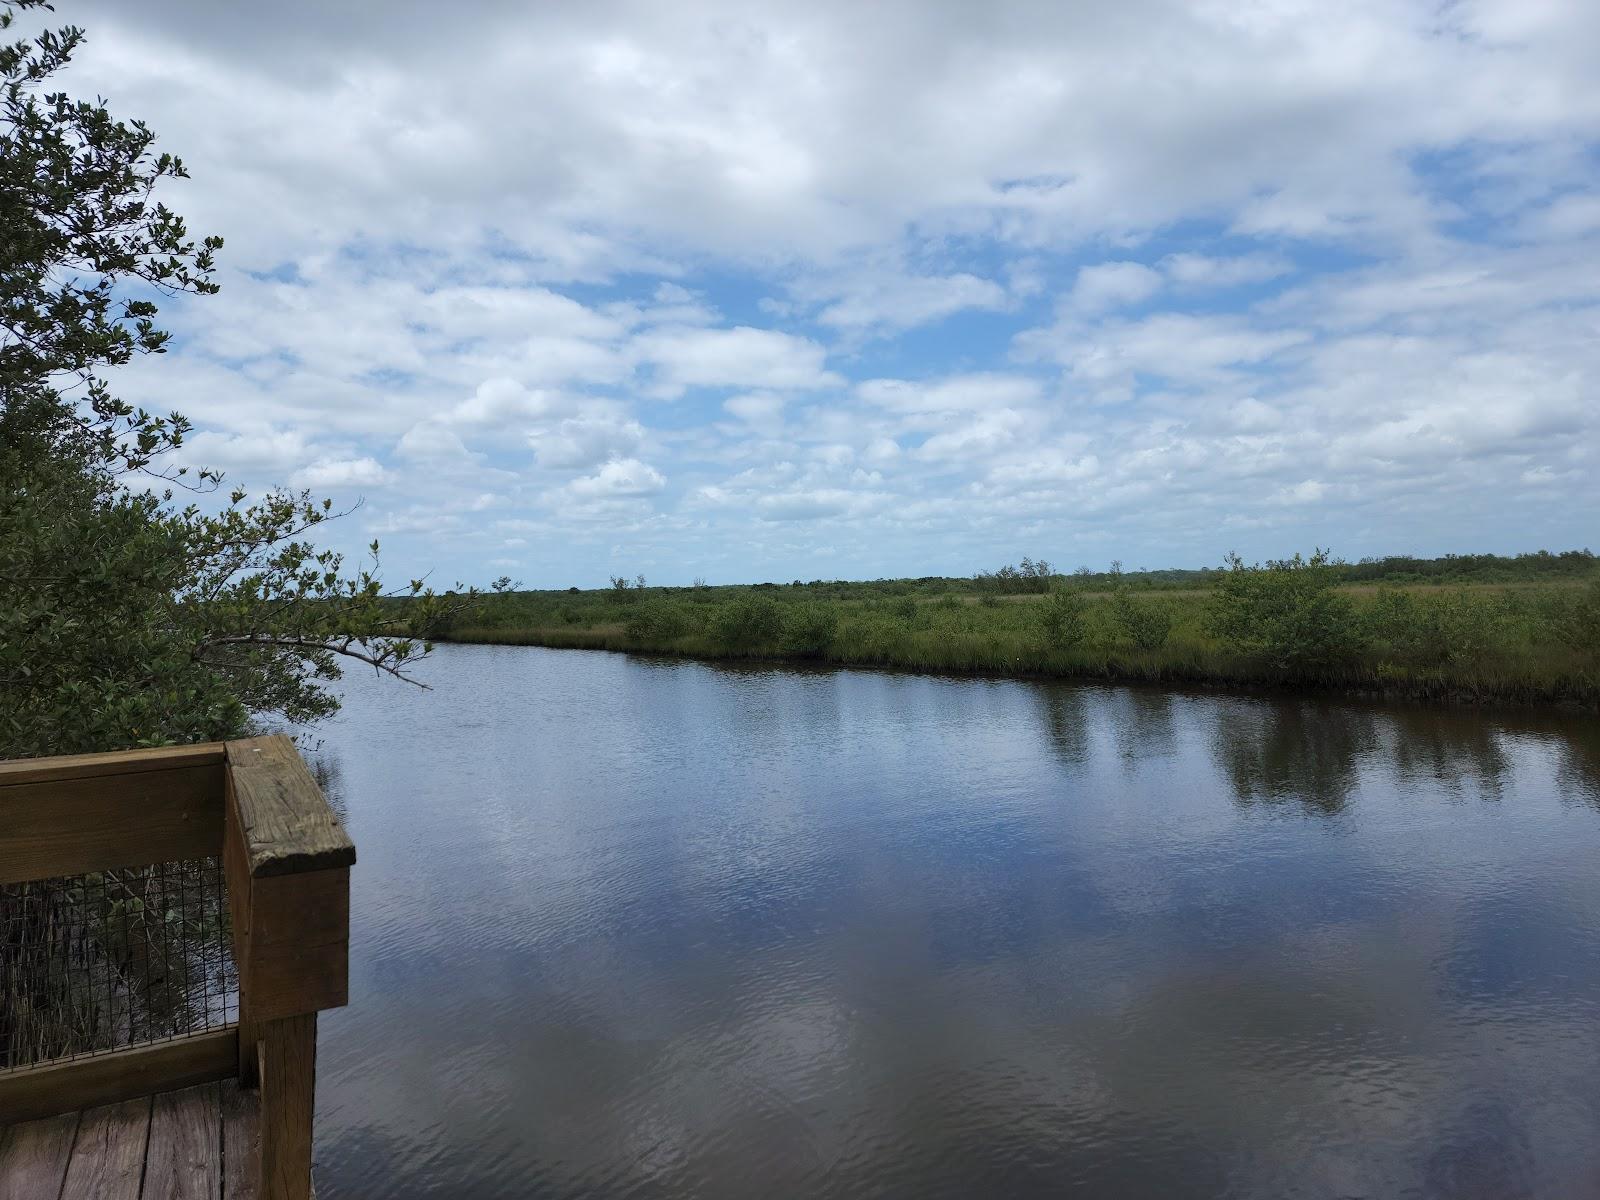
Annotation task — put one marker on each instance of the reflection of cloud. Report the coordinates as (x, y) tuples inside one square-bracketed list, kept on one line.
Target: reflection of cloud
[(734, 929)]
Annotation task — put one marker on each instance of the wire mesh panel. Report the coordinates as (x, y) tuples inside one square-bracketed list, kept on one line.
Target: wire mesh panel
[(111, 959)]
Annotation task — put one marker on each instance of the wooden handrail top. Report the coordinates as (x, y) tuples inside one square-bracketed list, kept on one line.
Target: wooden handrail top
[(117, 762), (286, 823)]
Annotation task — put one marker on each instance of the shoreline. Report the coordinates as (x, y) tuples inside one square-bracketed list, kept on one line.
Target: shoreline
[(1575, 694)]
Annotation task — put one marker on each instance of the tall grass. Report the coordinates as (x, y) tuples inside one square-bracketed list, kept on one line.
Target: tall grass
[(1284, 625)]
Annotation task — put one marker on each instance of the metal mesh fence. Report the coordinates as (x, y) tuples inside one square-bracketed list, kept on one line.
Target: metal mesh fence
[(102, 961)]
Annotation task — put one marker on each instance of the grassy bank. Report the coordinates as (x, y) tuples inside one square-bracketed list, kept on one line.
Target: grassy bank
[(1295, 624)]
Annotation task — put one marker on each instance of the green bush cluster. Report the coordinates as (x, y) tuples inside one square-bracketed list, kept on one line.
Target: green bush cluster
[(1434, 630), (809, 630), (1026, 578), (1289, 613), (657, 621), (1064, 619), (1145, 623), (748, 623), (1577, 622)]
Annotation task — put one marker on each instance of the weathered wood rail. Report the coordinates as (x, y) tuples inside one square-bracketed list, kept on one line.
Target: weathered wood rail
[(286, 861)]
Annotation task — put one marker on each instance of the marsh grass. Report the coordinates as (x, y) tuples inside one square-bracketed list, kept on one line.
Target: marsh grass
[(109, 959), (1530, 643)]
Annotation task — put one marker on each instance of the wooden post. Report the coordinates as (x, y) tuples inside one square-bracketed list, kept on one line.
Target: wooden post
[(288, 1072), (288, 862)]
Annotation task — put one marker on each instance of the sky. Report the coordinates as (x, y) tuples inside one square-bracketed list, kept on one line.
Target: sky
[(748, 291)]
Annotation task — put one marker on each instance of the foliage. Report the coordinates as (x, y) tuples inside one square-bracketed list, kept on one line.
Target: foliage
[(749, 622), (903, 609), (125, 620), (1432, 630), (1143, 622), (1027, 577), (656, 621), (80, 227), (1527, 657), (1064, 619), (1289, 612), (809, 630), (627, 591), (1577, 622)]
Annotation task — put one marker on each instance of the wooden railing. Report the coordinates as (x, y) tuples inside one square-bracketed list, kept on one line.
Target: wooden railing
[(286, 860)]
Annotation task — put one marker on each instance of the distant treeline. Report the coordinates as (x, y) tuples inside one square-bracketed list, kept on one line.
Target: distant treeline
[(1031, 576)]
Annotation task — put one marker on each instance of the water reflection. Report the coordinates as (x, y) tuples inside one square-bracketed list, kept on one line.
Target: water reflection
[(1461, 751), (1067, 711), (1293, 751), (657, 928), (1143, 722)]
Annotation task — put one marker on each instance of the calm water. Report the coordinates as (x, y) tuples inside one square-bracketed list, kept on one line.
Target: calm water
[(630, 928)]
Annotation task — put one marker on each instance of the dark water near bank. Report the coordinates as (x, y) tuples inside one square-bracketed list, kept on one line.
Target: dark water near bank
[(629, 928)]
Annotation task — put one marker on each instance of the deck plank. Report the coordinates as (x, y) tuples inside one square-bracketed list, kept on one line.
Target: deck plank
[(34, 1157), (241, 1141), (201, 1143), (184, 1161), (108, 1158)]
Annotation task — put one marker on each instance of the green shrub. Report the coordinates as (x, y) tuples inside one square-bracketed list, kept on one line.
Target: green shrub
[(1143, 622), (1435, 630), (1064, 619), (809, 629), (904, 610), (748, 622), (1027, 576), (1288, 612), (1577, 622), (656, 621)]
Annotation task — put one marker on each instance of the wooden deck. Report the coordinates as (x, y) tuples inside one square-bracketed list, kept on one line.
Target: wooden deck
[(196, 1144), (224, 1111)]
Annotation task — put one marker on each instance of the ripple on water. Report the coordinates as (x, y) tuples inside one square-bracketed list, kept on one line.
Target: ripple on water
[(633, 928)]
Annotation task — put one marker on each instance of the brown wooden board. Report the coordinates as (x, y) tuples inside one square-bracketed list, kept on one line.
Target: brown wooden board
[(241, 1141), (67, 826), (34, 1156), (285, 822), (298, 956), (184, 1161), (117, 762), (108, 1159), (27, 1093)]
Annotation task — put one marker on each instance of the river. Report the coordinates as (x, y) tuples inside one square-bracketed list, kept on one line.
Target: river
[(631, 927)]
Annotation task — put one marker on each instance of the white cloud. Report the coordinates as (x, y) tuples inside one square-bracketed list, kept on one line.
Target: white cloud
[(923, 277), (890, 301), (1176, 346), (497, 403), (964, 393), (740, 357), (759, 410), (340, 473), (1208, 271), (619, 478), (430, 440), (581, 442), (1113, 285)]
